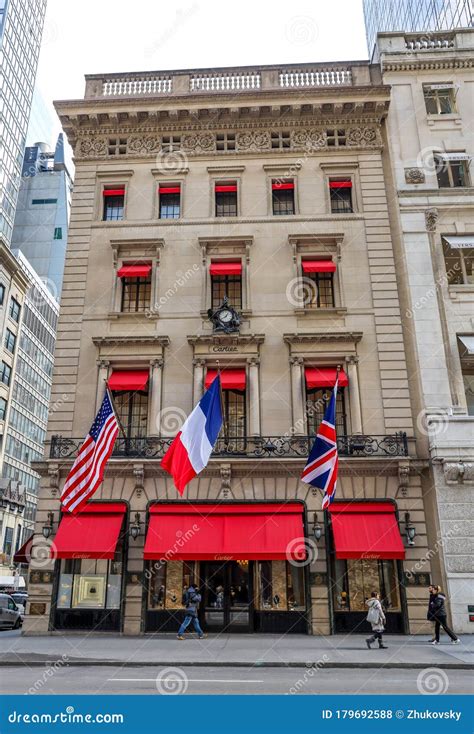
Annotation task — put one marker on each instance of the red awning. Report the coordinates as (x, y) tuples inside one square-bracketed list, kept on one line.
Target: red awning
[(93, 533), (279, 185), (230, 379), (318, 266), (340, 184), (114, 192), (366, 530), (23, 554), (223, 189), (324, 377), (134, 271), (170, 189), (184, 532), (128, 380), (234, 268)]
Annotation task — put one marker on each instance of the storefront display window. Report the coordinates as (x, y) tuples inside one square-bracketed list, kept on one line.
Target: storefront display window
[(354, 580), (90, 583), (168, 582), (279, 586)]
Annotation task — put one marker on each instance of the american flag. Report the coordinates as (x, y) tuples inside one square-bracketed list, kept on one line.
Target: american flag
[(321, 469), (88, 469)]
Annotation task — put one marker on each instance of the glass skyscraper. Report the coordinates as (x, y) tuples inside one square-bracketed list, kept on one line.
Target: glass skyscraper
[(21, 27), (415, 15)]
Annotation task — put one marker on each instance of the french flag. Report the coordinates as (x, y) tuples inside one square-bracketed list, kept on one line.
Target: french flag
[(190, 451)]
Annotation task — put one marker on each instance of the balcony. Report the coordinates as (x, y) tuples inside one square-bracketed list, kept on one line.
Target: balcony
[(251, 447)]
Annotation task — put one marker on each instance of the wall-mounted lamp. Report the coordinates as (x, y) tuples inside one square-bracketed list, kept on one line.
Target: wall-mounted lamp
[(317, 529), (410, 531), (48, 528), (135, 527)]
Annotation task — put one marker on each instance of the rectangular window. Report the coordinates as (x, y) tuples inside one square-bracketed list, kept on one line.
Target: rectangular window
[(169, 143), (336, 138), (91, 583), (280, 140), (316, 403), (340, 195), (468, 379), (354, 580), (132, 410), (283, 197), (226, 280), (279, 587), (226, 199), (235, 416), (5, 373), (439, 99), (10, 340), (318, 286), (2, 293), (459, 264), (225, 141), (452, 172), (136, 294), (117, 146), (114, 200), (170, 202), (7, 541), (3, 408), (58, 233), (15, 310), (44, 201)]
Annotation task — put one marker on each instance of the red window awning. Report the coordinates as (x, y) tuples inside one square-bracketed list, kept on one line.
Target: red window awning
[(23, 554), (170, 190), (282, 185), (184, 532), (114, 192), (366, 530), (324, 377), (347, 184), (93, 533), (128, 380), (230, 379), (234, 268), (318, 266), (134, 271), (225, 188)]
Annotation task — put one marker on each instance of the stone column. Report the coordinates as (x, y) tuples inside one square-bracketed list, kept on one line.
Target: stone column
[(354, 395), (101, 382), (198, 381), (254, 397), (299, 418), (154, 414)]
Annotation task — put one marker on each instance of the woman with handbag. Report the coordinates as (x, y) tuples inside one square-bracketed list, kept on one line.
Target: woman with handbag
[(376, 617)]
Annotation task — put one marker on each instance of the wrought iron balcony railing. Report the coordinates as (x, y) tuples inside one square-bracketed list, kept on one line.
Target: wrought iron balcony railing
[(250, 447)]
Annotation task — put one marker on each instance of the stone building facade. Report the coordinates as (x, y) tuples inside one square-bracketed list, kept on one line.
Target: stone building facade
[(267, 186)]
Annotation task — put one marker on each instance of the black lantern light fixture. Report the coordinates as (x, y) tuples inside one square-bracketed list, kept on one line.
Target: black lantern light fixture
[(410, 530), (317, 529), (135, 527), (48, 528)]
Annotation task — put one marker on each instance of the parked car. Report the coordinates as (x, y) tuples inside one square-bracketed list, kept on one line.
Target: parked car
[(10, 615), (20, 598)]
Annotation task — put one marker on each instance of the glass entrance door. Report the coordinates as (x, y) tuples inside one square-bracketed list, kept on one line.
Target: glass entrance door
[(227, 595)]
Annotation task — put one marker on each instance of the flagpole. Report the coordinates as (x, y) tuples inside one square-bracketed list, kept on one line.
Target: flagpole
[(114, 408), (224, 420)]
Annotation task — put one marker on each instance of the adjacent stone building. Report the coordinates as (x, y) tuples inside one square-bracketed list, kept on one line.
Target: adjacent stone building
[(234, 219)]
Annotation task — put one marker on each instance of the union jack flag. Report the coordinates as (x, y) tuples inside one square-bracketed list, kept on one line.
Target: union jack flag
[(87, 472), (321, 469)]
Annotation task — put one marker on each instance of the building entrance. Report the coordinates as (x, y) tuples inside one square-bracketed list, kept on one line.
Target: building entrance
[(227, 595)]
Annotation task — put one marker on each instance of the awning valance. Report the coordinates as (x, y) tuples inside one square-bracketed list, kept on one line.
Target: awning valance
[(318, 266), (134, 271), (283, 185), (225, 188), (23, 554), (230, 379), (128, 380), (467, 343), (324, 377), (225, 532), (114, 192), (366, 530), (460, 243), (453, 156), (170, 190), (340, 184), (234, 268), (93, 533)]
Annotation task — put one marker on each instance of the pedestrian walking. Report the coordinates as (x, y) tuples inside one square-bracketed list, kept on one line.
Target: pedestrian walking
[(191, 599), (439, 616), (376, 617), (429, 615)]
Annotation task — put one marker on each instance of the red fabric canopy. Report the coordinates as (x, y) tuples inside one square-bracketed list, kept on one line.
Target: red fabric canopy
[(134, 271), (23, 554), (223, 189), (93, 533), (114, 192), (340, 184), (230, 379), (324, 377), (170, 189), (128, 380), (318, 266), (225, 532), (234, 268), (279, 185), (366, 530)]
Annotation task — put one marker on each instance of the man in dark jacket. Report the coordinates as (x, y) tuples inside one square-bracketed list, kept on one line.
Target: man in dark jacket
[(192, 599), (437, 613)]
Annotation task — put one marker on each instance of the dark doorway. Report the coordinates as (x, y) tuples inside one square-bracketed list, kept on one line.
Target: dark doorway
[(227, 594)]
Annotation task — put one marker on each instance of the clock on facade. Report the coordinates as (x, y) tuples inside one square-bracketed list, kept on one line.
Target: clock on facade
[(224, 318)]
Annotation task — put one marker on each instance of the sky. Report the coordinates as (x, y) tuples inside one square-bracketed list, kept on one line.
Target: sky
[(95, 36)]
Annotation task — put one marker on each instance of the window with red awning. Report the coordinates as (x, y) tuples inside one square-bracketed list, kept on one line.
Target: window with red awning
[(134, 271), (231, 379), (227, 268), (128, 380), (114, 192), (318, 266), (93, 533), (324, 377), (366, 530)]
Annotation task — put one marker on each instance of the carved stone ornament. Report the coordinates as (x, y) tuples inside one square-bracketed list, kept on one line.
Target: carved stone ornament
[(361, 136), (458, 472), (144, 144), (139, 477), (253, 140), (198, 142), (225, 471), (431, 219), (92, 147), (308, 139), (53, 473), (414, 175), (403, 479)]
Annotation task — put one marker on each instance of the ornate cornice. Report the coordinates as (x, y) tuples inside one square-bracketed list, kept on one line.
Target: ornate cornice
[(427, 64), (108, 341), (323, 336), (238, 340)]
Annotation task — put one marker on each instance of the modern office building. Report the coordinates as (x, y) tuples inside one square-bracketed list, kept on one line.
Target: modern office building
[(234, 219), (420, 16), (42, 214), (21, 27), (429, 133)]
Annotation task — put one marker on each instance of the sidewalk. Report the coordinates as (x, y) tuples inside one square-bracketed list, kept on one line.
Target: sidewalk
[(235, 651)]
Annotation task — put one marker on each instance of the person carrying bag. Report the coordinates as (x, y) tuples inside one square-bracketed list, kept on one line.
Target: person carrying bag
[(376, 618)]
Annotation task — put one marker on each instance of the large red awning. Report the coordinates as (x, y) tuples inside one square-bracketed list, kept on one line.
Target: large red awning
[(114, 192), (225, 188), (324, 377), (23, 554), (93, 533), (184, 532), (318, 266), (170, 190), (128, 380), (230, 379), (347, 184), (234, 268), (134, 271), (282, 185), (366, 530)]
